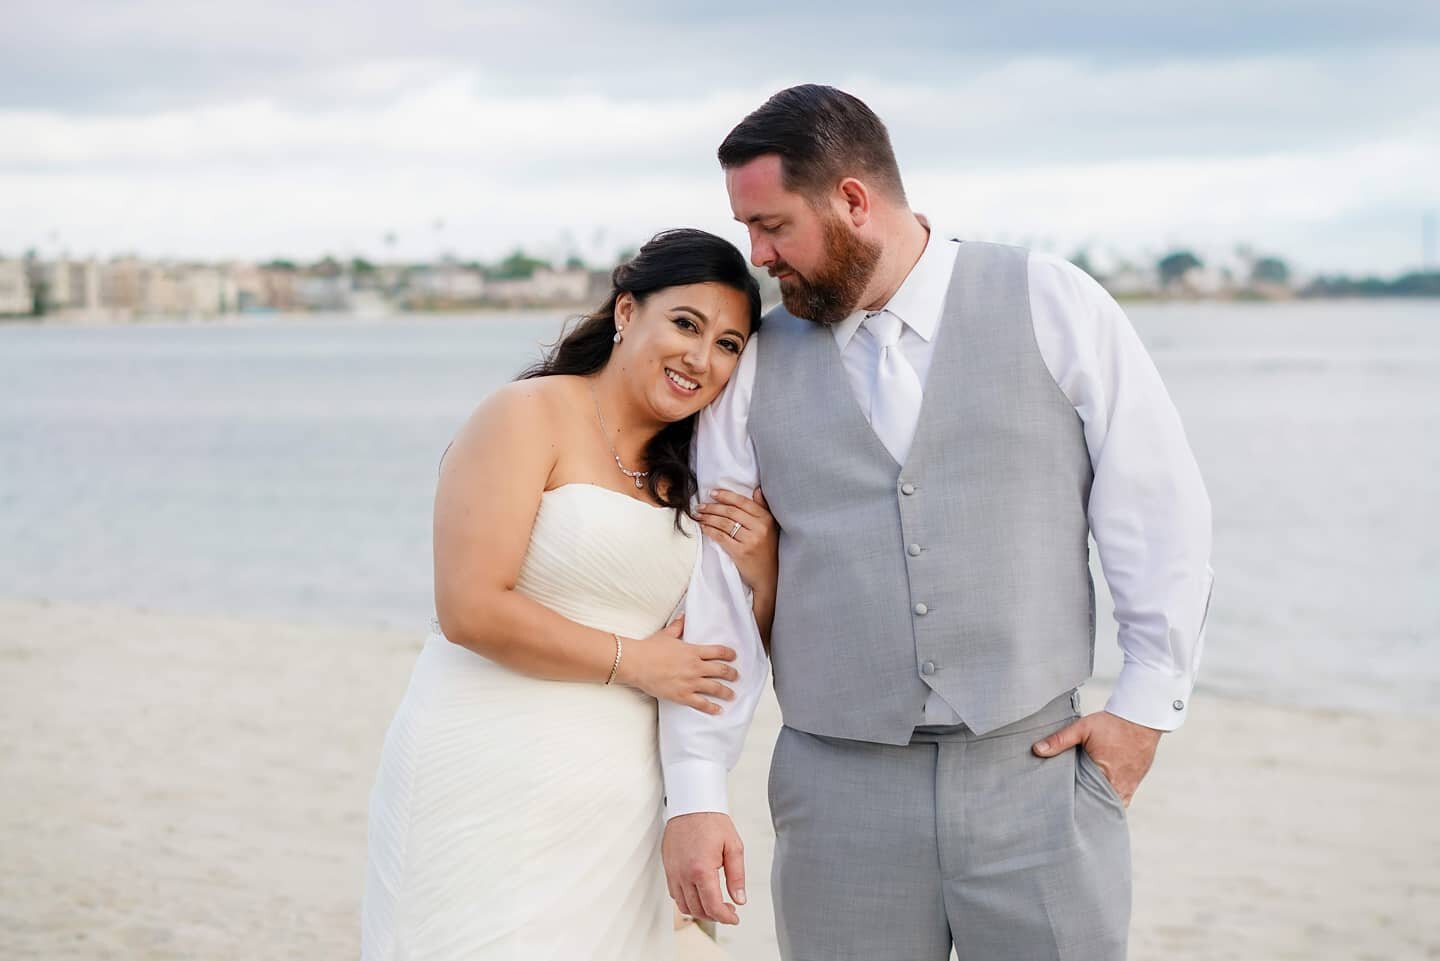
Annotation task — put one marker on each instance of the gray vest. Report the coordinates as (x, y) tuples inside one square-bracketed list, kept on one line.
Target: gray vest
[(967, 569)]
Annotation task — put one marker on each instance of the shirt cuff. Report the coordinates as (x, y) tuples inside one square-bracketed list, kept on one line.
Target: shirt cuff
[(1151, 698), (695, 786)]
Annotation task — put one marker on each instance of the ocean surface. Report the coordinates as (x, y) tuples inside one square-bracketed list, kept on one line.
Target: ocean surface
[(283, 469)]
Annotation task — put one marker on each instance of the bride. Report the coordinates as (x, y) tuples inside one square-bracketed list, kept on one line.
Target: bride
[(517, 809)]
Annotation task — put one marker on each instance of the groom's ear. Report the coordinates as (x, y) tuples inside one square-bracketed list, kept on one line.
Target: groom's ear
[(855, 197)]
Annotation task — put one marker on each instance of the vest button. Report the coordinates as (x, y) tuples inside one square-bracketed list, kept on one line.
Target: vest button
[(907, 489), (921, 609), (927, 668), (913, 550)]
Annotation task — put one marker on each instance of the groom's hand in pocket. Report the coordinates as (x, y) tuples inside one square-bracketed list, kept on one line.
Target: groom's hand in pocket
[(1122, 749), (696, 847)]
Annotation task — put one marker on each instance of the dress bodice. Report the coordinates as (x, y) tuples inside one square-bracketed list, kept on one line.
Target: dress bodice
[(607, 560)]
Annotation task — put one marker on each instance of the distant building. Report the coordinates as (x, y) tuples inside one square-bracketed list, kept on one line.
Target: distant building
[(249, 284), (1128, 280), (322, 291), (49, 283), (205, 291), (138, 288), (279, 289), (1204, 281), (446, 285), (84, 285), (370, 303), (65, 286), (544, 286), (15, 296), (600, 286), (160, 292), (76, 291), (569, 286), (120, 282)]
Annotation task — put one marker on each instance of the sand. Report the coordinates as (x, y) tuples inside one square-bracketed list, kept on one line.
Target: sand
[(179, 787)]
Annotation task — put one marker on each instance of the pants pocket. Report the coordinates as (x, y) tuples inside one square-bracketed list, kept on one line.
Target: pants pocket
[(1088, 772), (777, 772)]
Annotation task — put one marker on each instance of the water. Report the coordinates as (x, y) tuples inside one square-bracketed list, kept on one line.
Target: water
[(284, 470)]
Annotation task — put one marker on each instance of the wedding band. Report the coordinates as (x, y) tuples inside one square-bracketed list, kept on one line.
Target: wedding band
[(735, 530)]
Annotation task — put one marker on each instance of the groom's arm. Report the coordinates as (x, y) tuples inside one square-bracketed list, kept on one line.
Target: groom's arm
[(698, 750), (1148, 511)]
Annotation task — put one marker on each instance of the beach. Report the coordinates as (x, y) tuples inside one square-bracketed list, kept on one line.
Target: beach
[(192, 787)]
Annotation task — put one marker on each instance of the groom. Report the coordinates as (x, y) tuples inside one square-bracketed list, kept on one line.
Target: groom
[(938, 428)]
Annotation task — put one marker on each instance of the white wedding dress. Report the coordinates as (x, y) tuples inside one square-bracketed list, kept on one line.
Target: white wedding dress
[(517, 818)]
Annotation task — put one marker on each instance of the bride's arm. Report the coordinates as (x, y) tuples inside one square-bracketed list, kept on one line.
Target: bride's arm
[(488, 495)]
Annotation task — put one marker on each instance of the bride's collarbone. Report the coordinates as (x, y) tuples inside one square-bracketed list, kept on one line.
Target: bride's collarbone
[(586, 458), (590, 470), (642, 500)]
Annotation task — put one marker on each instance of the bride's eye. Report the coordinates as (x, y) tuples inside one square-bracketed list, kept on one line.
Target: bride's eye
[(685, 323), (731, 346)]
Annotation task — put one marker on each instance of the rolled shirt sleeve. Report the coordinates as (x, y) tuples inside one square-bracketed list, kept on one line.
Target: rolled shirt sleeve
[(698, 750)]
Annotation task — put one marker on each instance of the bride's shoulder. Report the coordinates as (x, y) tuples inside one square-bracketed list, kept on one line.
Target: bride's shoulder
[(523, 413), (532, 403)]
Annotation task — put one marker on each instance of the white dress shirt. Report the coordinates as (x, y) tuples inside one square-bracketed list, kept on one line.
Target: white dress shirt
[(1148, 510)]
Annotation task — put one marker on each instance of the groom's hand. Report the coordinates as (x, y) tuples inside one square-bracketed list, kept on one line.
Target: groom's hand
[(695, 848), (1122, 749)]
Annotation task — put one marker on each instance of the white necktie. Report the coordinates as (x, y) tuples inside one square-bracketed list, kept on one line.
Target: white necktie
[(895, 404)]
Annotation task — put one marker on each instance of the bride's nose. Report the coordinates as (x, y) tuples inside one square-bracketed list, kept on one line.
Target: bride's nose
[(697, 358)]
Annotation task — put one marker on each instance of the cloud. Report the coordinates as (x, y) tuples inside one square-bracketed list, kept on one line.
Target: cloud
[(1303, 205), (301, 129), (446, 122), (1274, 201), (98, 56), (1019, 113)]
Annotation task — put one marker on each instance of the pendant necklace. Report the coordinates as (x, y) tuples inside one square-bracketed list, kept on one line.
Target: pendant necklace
[(636, 475)]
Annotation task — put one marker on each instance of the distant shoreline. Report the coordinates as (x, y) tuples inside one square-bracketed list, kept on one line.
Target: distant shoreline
[(279, 318)]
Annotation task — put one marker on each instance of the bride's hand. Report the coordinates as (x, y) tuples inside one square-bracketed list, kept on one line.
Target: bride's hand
[(754, 545), (664, 666)]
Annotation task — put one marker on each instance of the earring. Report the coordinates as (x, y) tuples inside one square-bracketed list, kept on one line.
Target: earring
[(619, 335)]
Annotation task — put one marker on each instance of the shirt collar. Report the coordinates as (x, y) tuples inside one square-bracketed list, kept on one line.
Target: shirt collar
[(921, 296)]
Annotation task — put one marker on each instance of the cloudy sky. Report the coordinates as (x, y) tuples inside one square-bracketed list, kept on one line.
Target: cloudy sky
[(1311, 129)]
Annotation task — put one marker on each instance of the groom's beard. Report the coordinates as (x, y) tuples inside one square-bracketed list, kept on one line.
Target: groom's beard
[(834, 292)]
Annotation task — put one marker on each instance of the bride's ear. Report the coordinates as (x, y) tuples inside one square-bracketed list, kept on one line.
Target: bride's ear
[(624, 310)]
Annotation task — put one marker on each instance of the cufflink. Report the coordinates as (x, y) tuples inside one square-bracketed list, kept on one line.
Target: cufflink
[(1179, 705)]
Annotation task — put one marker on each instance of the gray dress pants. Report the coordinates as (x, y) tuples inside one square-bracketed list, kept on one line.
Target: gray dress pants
[(897, 852)]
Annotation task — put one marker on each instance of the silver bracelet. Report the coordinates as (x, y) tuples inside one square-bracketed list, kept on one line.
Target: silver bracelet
[(619, 649)]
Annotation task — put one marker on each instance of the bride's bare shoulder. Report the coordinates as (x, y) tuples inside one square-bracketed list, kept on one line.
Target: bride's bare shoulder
[(524, 415)]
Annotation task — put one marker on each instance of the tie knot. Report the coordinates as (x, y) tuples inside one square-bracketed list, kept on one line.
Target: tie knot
[(885, 327)]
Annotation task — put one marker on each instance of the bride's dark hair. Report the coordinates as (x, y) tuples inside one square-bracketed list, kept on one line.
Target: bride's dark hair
[(672, 258)]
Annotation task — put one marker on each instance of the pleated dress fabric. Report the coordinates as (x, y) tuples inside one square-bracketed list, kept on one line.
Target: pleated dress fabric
[(517, 818)]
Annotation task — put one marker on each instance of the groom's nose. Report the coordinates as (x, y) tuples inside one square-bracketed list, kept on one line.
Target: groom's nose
[(762, 253)]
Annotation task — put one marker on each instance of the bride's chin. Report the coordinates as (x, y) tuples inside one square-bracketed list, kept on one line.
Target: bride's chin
[(672, 413), (673, 408)]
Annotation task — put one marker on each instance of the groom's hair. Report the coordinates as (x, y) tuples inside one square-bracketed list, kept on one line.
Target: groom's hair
[(821, 135)]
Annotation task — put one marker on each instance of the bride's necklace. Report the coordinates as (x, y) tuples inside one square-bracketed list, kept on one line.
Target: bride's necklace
[(636, 475)]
